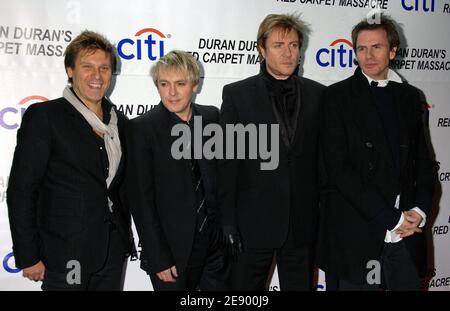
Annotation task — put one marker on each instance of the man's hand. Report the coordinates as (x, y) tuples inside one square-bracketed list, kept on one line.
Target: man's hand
[(35, 272), (410, 225), (168, 275), (232, 241), (413, 217)]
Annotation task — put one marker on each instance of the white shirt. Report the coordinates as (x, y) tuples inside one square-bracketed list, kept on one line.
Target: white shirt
[(391, 236)]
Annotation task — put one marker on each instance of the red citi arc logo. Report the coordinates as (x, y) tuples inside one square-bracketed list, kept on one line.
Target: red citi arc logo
[(150, 45), (338, 54), (11, 116)]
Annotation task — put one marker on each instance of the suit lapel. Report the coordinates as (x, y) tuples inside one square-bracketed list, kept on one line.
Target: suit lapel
[(301, 111), (402, 110), (83, 133), (366, 116)]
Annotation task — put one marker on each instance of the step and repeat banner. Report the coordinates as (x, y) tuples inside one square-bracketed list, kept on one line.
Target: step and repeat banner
[(221, 35)]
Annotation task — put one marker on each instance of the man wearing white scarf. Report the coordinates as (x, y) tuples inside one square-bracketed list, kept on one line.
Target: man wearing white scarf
[(68, 224)]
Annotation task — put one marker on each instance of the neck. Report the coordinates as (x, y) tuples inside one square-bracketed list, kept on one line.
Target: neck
[(95, 107), (187, 115)]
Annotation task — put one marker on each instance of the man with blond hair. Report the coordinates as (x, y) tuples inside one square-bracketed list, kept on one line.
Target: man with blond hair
[(269, 213), (173, 199)]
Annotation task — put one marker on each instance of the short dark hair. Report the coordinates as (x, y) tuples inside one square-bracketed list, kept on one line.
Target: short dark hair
[(286, 22), (386, 23), (88, 41)]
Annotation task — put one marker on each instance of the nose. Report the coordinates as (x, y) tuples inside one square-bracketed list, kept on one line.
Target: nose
[(369, 53), (172, 89), (97, 73), (287, 50)]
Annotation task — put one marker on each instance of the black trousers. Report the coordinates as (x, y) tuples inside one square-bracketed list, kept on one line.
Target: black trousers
[(398, 272), (295, 267), (109, 278), (207, 268)]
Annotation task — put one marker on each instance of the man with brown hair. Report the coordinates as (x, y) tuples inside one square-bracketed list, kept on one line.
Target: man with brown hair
[(269, 213), (69, 226), (379, 172)]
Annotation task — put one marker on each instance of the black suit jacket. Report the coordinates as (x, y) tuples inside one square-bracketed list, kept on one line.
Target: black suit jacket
[(57, 193), (362, 182), (262, 203), (161, 190)]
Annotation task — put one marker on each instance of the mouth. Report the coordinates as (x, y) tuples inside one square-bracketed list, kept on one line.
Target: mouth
[(95, 85)]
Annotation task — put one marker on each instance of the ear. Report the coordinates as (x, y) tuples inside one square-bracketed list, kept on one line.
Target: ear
[(69, 72), (392, 53), (195, 88), (263, 51)]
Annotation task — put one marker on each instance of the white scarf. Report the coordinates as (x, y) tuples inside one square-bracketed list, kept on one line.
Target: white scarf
[(110, 133)]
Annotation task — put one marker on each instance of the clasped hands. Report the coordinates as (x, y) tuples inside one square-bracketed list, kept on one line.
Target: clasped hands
[(410, 224)]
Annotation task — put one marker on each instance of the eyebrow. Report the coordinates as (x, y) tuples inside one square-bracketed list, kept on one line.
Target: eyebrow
[(162, 80), (91, 63)]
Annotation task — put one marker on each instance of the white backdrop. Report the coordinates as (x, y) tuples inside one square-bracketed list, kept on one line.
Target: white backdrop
[(34, 34)]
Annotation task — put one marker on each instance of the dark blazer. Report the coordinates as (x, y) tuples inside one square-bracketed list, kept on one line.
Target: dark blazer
[(261, 203), (161, 190), (57, 193), (362, 182)]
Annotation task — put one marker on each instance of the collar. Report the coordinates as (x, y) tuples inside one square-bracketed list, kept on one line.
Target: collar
[(106, 107), (175, 118), (392, 76)]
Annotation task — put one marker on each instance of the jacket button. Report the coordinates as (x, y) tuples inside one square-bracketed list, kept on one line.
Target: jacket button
[(370, 166), (369, 144)]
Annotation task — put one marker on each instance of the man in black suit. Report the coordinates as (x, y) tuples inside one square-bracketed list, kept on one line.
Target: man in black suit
[(173, 197), (379, 173), (68, 224), (267, 212)]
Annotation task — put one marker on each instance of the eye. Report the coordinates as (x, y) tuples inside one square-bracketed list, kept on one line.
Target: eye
[(105, 68), (277, 45), (295, 45), (162, 84), (181, 83)]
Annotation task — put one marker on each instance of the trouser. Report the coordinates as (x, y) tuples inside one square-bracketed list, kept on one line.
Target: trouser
[(295, 267), (109, 278), (207, 268), (398, 272)]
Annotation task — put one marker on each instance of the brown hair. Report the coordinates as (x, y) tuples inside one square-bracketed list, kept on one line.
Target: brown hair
[(88, 41), (385, 23)]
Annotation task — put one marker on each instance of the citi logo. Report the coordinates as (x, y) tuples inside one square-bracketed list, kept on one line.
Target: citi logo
[(7, 265), (10, 117), (148, 44), (418, 5), (338, 54)]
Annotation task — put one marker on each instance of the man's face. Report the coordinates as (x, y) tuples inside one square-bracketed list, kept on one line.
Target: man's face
[(91, 76), (373, 53), (282, 53), (176, 90)]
